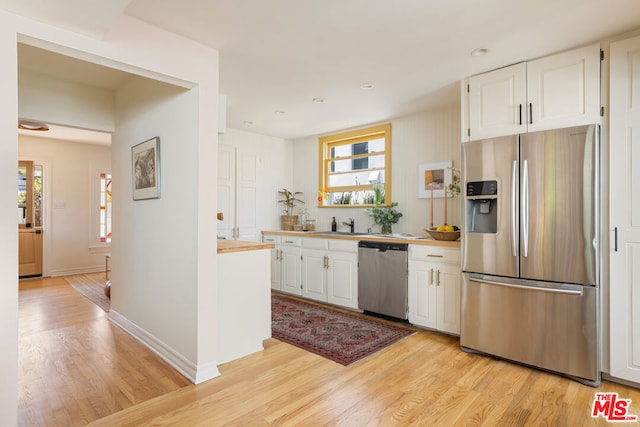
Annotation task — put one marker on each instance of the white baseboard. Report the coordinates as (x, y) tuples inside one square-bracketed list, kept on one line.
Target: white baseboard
[(194, 373), (72, 271)]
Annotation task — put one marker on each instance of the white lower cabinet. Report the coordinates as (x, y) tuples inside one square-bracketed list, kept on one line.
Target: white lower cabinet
[(330, 271), (434, 287), (286, 263)]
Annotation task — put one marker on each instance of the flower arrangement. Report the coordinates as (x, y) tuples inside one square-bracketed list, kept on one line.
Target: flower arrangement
[(323, 195), (454, 187), (289, 200), (385, 216)]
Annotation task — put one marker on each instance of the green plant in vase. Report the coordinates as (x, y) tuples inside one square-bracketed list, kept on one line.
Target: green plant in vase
[(385, 216), (288, 220)]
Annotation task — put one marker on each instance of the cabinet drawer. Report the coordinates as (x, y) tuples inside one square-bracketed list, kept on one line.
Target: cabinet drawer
[(434, 253), (271, 238), (313, 243), (290, 241), (343, 245)]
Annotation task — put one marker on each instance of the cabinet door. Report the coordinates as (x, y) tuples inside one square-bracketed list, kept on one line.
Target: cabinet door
[(342, 279), (563, 90), (624, 211), (290, 274), (422, 293), (314, 266), (226, 190), (448, 298), (275, 260), (497, 102), (246, 195)]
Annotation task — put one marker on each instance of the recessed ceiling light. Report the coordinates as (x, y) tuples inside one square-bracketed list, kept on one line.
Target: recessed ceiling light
[(479, 51), (279, 112), (367, 86), (317, 100), (248, 122)]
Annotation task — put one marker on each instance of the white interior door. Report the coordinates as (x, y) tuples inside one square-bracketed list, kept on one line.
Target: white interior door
[(237, 193), (624, 210)]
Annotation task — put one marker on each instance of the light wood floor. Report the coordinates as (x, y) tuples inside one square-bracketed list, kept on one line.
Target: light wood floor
[(424, 380)]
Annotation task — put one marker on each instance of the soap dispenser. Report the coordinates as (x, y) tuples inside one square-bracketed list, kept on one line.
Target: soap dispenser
[(334, 226)]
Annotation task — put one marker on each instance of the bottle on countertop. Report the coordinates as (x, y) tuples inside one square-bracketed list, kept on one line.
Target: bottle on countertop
[(334, 225)]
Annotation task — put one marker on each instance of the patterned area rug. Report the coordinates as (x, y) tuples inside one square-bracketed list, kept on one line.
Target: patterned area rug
[(94, 292), (341, 337)]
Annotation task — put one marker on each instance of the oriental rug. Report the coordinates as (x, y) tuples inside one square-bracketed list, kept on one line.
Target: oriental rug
[(93, 291), (342, 337)]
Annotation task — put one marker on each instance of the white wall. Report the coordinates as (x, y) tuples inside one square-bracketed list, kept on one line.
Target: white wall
[(8, 229), (43, 98), (71, 172), (431, 136), (135, 47), (155, 289)]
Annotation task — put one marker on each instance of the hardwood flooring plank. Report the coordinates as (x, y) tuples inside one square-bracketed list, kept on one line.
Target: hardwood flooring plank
[(77, 369)]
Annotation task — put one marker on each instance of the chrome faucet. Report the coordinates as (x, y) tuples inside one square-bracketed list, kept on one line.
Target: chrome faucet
[(351, 224)]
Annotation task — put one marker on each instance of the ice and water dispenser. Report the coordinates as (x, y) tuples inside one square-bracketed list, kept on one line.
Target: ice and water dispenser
[(482, 206)]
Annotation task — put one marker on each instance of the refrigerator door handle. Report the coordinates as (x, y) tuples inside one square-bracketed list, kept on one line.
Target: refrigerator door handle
[(530, 288), (514, 207), (525, 208)]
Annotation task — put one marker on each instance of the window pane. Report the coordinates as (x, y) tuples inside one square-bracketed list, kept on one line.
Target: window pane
[(352, 164), (356, 178), (22, 195), (105, 207), (346, 165), (37, 195)]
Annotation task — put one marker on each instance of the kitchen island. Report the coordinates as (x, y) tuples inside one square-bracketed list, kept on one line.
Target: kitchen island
[(244, 298)]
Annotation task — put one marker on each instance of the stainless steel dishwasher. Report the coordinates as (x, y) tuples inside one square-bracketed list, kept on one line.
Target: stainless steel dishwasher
[(382, 278)]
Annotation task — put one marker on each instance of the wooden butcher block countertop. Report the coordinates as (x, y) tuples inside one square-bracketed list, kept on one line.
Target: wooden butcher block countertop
[(227, 246)]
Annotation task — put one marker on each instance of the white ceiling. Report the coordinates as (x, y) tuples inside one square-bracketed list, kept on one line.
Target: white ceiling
[(278, 55)]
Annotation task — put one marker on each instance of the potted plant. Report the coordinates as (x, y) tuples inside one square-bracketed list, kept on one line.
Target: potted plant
[(385, 216), (288, 220)]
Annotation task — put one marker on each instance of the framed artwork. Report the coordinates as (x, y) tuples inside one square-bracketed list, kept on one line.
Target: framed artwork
[(433, 179), (145, 168)]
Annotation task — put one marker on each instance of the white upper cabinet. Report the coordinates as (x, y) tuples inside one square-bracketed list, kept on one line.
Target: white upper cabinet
[(496, 102), (564, 90), (557, 91)]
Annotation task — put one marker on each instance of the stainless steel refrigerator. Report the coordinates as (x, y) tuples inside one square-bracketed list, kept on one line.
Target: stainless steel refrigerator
[(530, 290)]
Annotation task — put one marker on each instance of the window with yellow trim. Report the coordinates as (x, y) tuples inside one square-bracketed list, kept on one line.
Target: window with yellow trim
[(355, 167)]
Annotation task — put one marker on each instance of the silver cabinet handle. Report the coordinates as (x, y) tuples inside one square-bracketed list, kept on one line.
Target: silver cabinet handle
[(438, 278), (434, 256), (514, 207), (529, 288), (288, 241), (431, 276)]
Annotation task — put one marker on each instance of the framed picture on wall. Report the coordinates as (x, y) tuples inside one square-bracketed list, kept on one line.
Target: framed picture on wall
[(145, 167), (433, 179)]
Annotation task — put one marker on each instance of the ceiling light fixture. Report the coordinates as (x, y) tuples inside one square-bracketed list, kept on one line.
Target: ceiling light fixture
[(479, 52), (248, 122), (31, 125), (279, 112), (367, 86), (317, 100)]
